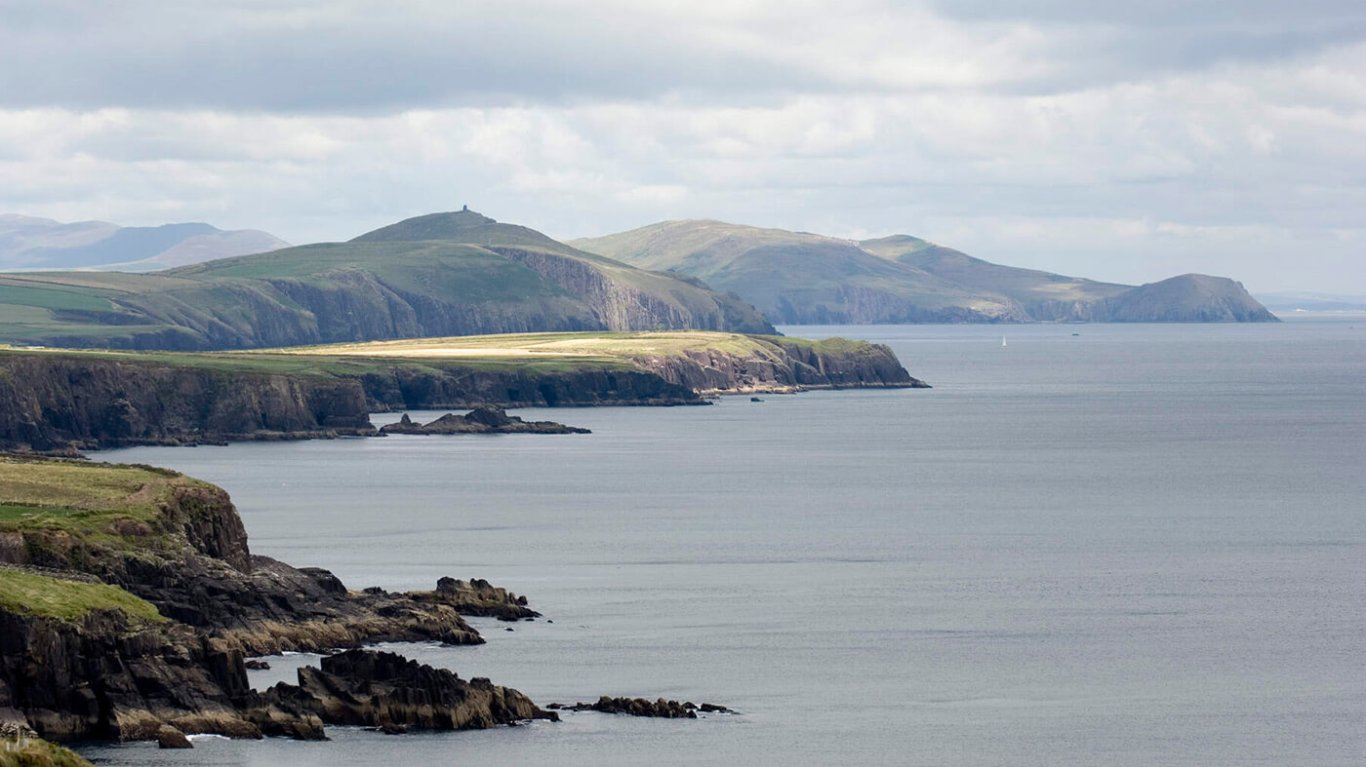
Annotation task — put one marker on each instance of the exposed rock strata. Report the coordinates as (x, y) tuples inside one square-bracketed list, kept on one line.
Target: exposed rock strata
[(381, 689), (484, 419), (54, 402), (107, 676)]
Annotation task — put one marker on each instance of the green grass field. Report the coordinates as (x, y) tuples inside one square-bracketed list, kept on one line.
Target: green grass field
[(29, 593)]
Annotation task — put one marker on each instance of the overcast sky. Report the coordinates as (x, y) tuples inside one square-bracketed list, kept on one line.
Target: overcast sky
[(1123, 141)]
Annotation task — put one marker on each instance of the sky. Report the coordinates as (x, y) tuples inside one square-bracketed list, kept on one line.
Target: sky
[(1120, 141)]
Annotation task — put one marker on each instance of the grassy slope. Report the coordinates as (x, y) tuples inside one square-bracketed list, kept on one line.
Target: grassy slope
[(43, 596), (234, 298), (88, 502), (1025, 285), (473, 229), (78, 498), (32, 752), (770, 266)]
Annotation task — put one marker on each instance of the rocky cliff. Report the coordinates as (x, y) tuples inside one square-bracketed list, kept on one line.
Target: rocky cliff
[(56, 402), (129, 599), (784, 365), (62, 402)]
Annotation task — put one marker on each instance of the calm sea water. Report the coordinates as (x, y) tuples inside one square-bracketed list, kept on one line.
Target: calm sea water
[(1139, 545)]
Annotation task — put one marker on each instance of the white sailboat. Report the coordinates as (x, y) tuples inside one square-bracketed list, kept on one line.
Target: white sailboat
[(1003, 342)]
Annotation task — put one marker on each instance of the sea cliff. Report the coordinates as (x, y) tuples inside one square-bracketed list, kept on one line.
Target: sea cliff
[(66, 401), (129, 600)]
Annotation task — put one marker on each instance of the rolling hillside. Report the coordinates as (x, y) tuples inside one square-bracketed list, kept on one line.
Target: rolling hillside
[(40, 243), (802, 278), (443, 274)]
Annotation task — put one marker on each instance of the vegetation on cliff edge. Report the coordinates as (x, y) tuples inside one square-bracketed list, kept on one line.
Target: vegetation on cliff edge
[(43, 596), (33, 752)]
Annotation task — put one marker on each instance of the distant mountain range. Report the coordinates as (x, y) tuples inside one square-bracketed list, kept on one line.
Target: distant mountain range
[(29, 243), (1313, 302), (443, 274), (803, 278), (462, 273)]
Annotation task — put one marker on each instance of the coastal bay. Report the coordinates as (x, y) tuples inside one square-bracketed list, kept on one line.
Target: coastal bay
[(1137, 545)]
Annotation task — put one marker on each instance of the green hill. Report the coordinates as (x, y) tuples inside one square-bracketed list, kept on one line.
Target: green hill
[(802, 278), (443, 274)]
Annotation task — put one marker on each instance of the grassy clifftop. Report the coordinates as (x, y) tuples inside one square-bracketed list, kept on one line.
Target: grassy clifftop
[(72, 505), (43, 596), (706, 362), (79, 496)]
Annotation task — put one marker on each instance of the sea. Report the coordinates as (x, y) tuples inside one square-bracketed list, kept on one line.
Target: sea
[(1086, 545)]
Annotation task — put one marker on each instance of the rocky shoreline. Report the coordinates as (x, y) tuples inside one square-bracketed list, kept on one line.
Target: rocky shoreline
[(171, 603)]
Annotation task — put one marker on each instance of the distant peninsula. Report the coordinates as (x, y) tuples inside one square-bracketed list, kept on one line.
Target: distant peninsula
[(799, 278), (65, 401)]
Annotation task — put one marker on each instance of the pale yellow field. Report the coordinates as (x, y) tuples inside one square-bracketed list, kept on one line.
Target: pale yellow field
[(546, 345)]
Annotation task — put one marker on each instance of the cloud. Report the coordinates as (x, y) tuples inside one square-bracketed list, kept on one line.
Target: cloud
[(1077, 136)]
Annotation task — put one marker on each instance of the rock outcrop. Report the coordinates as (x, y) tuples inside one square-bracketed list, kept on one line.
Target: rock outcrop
[(485, 419), (380, 689), (659, 708)]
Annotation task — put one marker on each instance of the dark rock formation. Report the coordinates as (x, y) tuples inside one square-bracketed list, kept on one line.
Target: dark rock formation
[(54, 402), (480, 598), (105, 677), (384, 690), (253, 664), (170, 737), (660, 708), (485, 419)]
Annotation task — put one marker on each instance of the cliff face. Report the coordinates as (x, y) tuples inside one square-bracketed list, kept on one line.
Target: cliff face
[(55, 402), (103, 677), (785, 365), (177, 549), (50, 401)]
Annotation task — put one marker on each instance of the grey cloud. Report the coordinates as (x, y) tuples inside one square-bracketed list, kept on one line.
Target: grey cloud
[(366, 57), (379, 57)]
